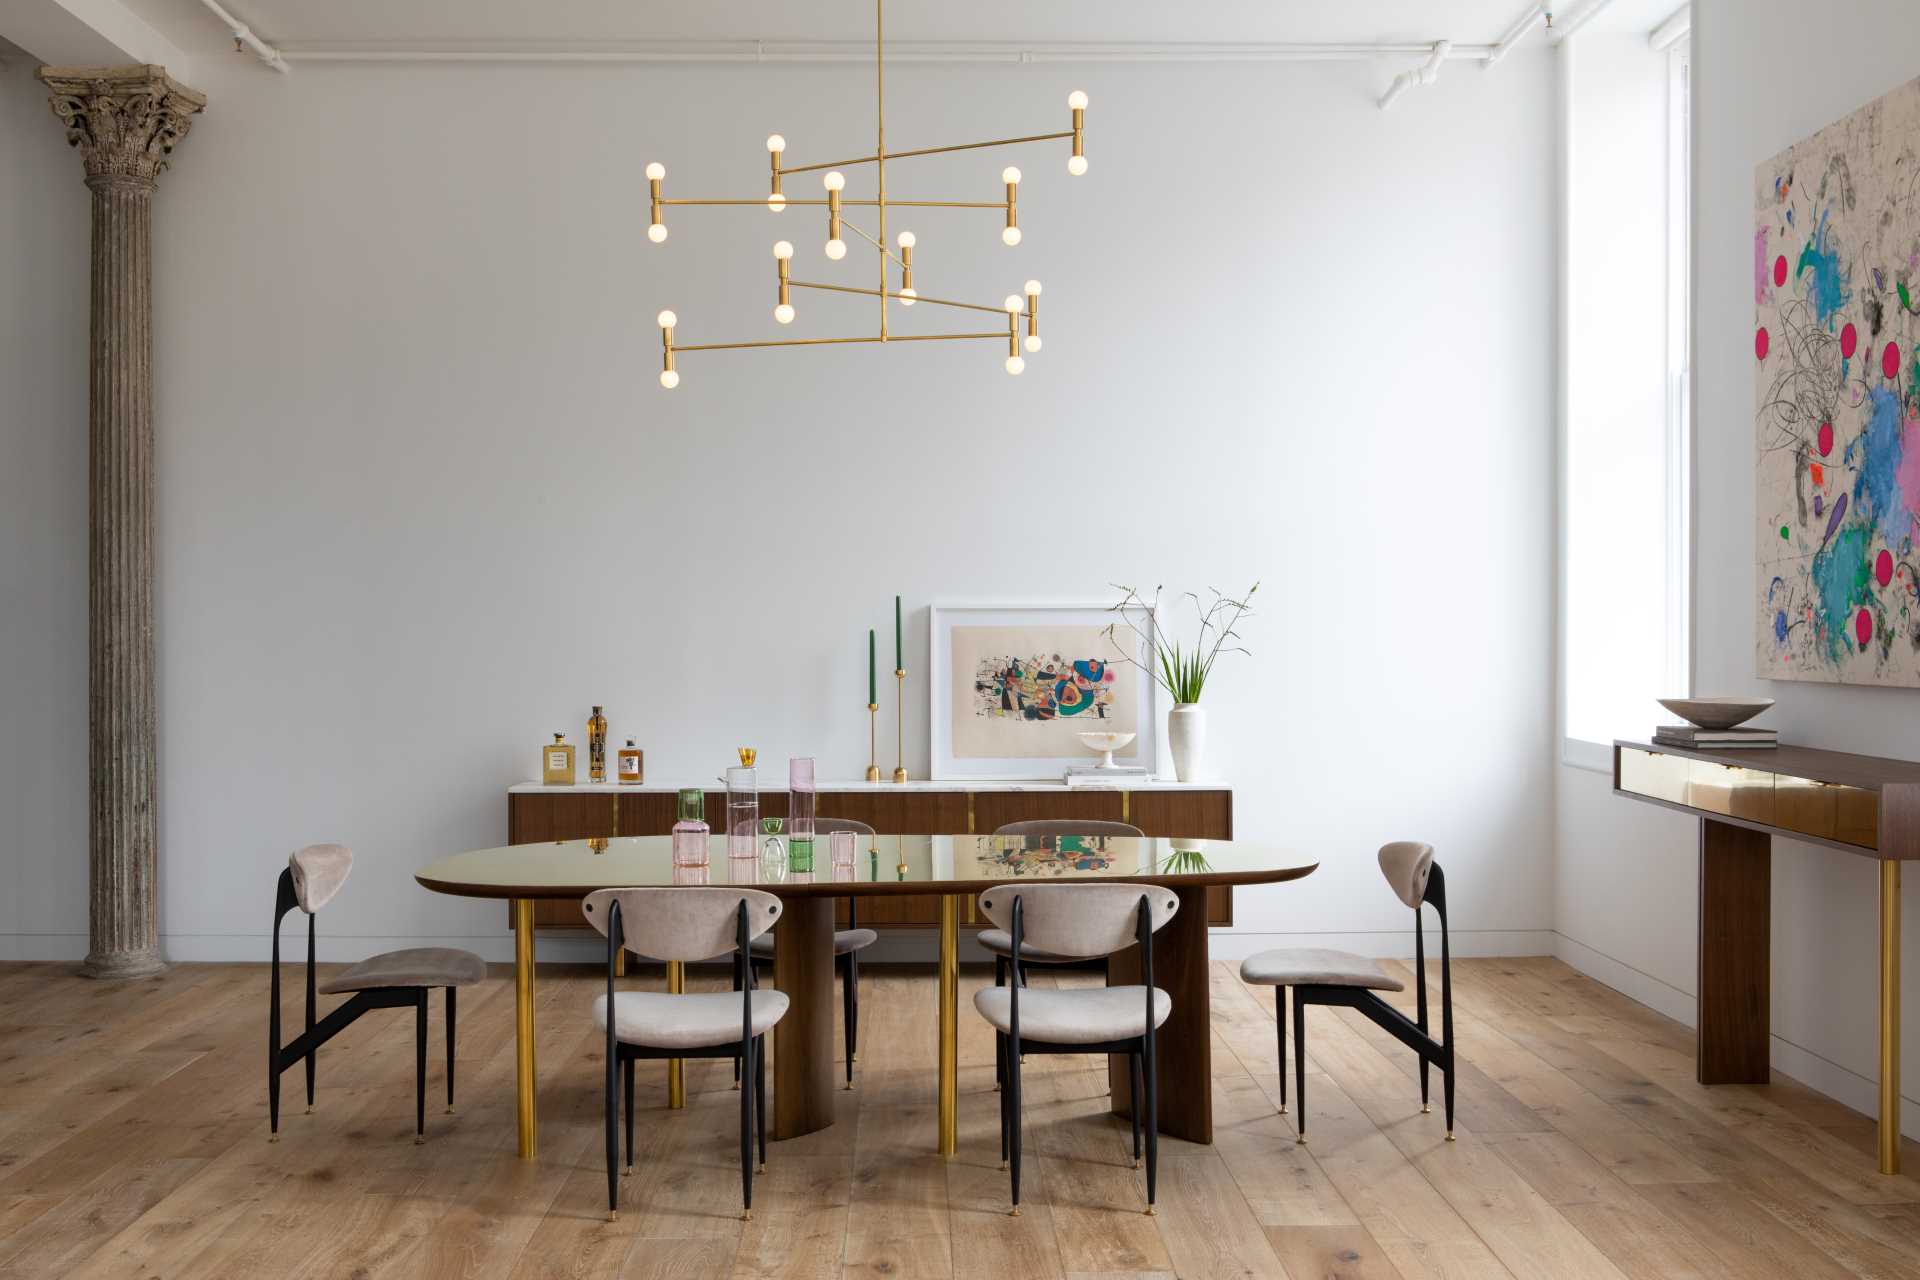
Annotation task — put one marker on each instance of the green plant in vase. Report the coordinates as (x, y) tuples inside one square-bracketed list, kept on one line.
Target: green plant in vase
[(1182, 669)]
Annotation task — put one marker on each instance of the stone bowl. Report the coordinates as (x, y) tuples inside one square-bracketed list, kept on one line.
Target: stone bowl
[(1716, 713), (1106, 744)]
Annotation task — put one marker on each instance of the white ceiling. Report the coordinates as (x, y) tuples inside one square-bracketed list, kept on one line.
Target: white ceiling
[(373, 23)]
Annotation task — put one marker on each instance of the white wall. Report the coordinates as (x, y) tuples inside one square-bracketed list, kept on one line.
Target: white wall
[(1766, 73), (43, 528), (422, 500)]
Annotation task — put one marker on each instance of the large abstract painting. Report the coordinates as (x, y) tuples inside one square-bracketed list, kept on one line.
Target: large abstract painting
[(1836, 285)]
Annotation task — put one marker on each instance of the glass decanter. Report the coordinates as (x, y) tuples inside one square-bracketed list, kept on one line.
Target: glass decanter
[(691, 831)]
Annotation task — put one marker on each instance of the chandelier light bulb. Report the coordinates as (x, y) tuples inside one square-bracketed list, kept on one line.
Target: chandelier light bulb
[(1015, 365), (667, 319), (1010, 176), (1076, 165), (907, 296), (1014, 304), (776, 144), (776, 202), (669, 378), (1010, 236), (782, 249), (657, 232), (834, 180), (836, 249), (656, 171), (783, 313), (1077, 100), (1032, 288), (906, 240), (1033, 342)]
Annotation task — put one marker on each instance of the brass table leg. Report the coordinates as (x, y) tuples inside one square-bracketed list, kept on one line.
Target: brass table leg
[(523, 1026), (1889, 1016), (677, 1067), (949, 1021)]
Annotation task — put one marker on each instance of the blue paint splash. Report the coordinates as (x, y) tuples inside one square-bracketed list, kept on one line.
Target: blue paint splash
[(1779, 627), (1840, 577), (1829, 285), (1876, 484)]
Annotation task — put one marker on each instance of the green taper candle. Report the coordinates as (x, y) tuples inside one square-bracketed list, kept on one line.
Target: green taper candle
[(898, 665), (873, 689)]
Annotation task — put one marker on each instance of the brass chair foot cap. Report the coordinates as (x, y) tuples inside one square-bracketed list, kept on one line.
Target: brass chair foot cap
[(1151, 1213), (747, 1216), (849, 1088), (1014, 1212), (627, 1172), (273, 1137), (996, 1086), (1300, 1141), (1426, 1108), (1136, 1162), (613, 1215), (419, 1139), (449, 1110), (1003, 1166), (309, 1108), (1283, 1108), (736, 1084), (1449, 1136), (761, 1169)]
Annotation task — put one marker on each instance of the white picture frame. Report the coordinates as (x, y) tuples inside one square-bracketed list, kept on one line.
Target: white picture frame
[(950, 691)]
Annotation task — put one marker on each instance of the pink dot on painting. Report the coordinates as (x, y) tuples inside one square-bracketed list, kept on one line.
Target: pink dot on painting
[(1780, 270), (1863, 627), (1849, 342), (1760, 343), (1890, 360), (1883, 567), (1825, 438)]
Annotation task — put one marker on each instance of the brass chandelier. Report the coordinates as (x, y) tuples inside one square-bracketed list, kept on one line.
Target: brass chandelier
[(1017, 307)]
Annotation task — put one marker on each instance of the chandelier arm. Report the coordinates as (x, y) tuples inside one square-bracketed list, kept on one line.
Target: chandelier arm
[(938, 302), (822, 342), (878, 244), (760, 202), (926, 151)]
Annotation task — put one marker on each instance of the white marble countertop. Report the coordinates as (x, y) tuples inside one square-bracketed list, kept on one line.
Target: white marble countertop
[(777, 782)]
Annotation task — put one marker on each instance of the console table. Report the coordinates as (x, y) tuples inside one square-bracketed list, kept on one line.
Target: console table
[(1861, 805), (539, 814)]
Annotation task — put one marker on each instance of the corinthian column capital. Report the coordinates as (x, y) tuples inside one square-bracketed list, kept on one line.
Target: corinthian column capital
[(123, 120)]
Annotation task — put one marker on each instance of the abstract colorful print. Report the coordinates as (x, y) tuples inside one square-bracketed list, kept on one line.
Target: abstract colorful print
[(1043, 687)]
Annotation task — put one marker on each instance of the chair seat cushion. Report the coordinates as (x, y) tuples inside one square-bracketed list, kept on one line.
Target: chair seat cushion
[(1000, 942), (1316, 967), (1083, 1015), (659, 1020), (844, 941), (414, 967)]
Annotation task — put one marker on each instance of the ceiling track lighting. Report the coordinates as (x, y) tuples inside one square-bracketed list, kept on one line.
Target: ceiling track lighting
[(1019, 309)]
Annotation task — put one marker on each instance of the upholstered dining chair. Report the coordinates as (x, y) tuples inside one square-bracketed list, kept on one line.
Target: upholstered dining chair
[(848, 943), (686, 924), (1338, 978), (391, 980), (996, 940), (1081, 921)]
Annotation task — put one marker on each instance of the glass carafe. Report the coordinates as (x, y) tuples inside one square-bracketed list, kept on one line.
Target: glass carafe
[(691, 831), (743, 813), (802, 802)]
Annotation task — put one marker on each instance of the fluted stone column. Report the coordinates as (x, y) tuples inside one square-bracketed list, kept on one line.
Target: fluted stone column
[(124, 121)]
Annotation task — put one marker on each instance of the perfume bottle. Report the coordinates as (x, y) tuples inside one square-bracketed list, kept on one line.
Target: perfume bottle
[(597, 746), (557, 762), (633, 762), (690, 832)]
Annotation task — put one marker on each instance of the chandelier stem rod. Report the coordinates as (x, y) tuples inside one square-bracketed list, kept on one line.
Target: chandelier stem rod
[(926, 151), (938, 302), (761, 201), (823, 342), (880, 146)]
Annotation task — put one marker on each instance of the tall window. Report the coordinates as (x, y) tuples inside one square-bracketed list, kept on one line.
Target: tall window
[(1625, 449)]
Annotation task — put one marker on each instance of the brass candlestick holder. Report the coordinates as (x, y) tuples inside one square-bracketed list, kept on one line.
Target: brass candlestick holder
[(900, 727), (873, 740)]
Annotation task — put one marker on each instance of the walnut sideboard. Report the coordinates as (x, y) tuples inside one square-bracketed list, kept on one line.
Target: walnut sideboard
[(538, 814)]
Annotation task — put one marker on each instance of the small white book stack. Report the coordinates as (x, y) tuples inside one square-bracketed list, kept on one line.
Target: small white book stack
[(1093, 775), (1686, 735)]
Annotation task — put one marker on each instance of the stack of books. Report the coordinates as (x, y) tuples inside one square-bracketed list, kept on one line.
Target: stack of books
[(1092, 775), (1686, 735)]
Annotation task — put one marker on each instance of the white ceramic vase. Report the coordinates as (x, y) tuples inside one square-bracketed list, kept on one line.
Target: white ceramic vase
[(1187, 735)]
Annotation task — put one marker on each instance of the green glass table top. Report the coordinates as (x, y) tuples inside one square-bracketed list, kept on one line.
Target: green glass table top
[(881, 864)]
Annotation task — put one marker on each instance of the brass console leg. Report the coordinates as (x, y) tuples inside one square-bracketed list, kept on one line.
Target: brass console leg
[(1889, 1016), (676, 1067), (524, 1077), (949, 1021)]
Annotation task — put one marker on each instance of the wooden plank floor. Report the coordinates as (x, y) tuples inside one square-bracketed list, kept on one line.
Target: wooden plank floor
[(133, 1143)]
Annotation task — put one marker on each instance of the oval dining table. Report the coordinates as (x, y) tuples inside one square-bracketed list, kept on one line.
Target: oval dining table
[(950, 867)]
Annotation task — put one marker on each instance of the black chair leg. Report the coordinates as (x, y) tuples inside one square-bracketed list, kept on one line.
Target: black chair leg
[(760, 1096), (1013, 1119), (1135, 1098), (1280, 1021), (736, 1061), (848, 1017), (273, 1095), (1300, 1065), (613, 1138), (451, 993), (1152, 1071), (420, 1065), (1006, 1095), (627, 1089), (746, 1133), (1446, 1085)]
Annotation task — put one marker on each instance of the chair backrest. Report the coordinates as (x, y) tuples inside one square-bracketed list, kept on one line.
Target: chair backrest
[(1068, 827), (682, 924), (1079, 919), (827, 826), (1407, 864), (318, 872)]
